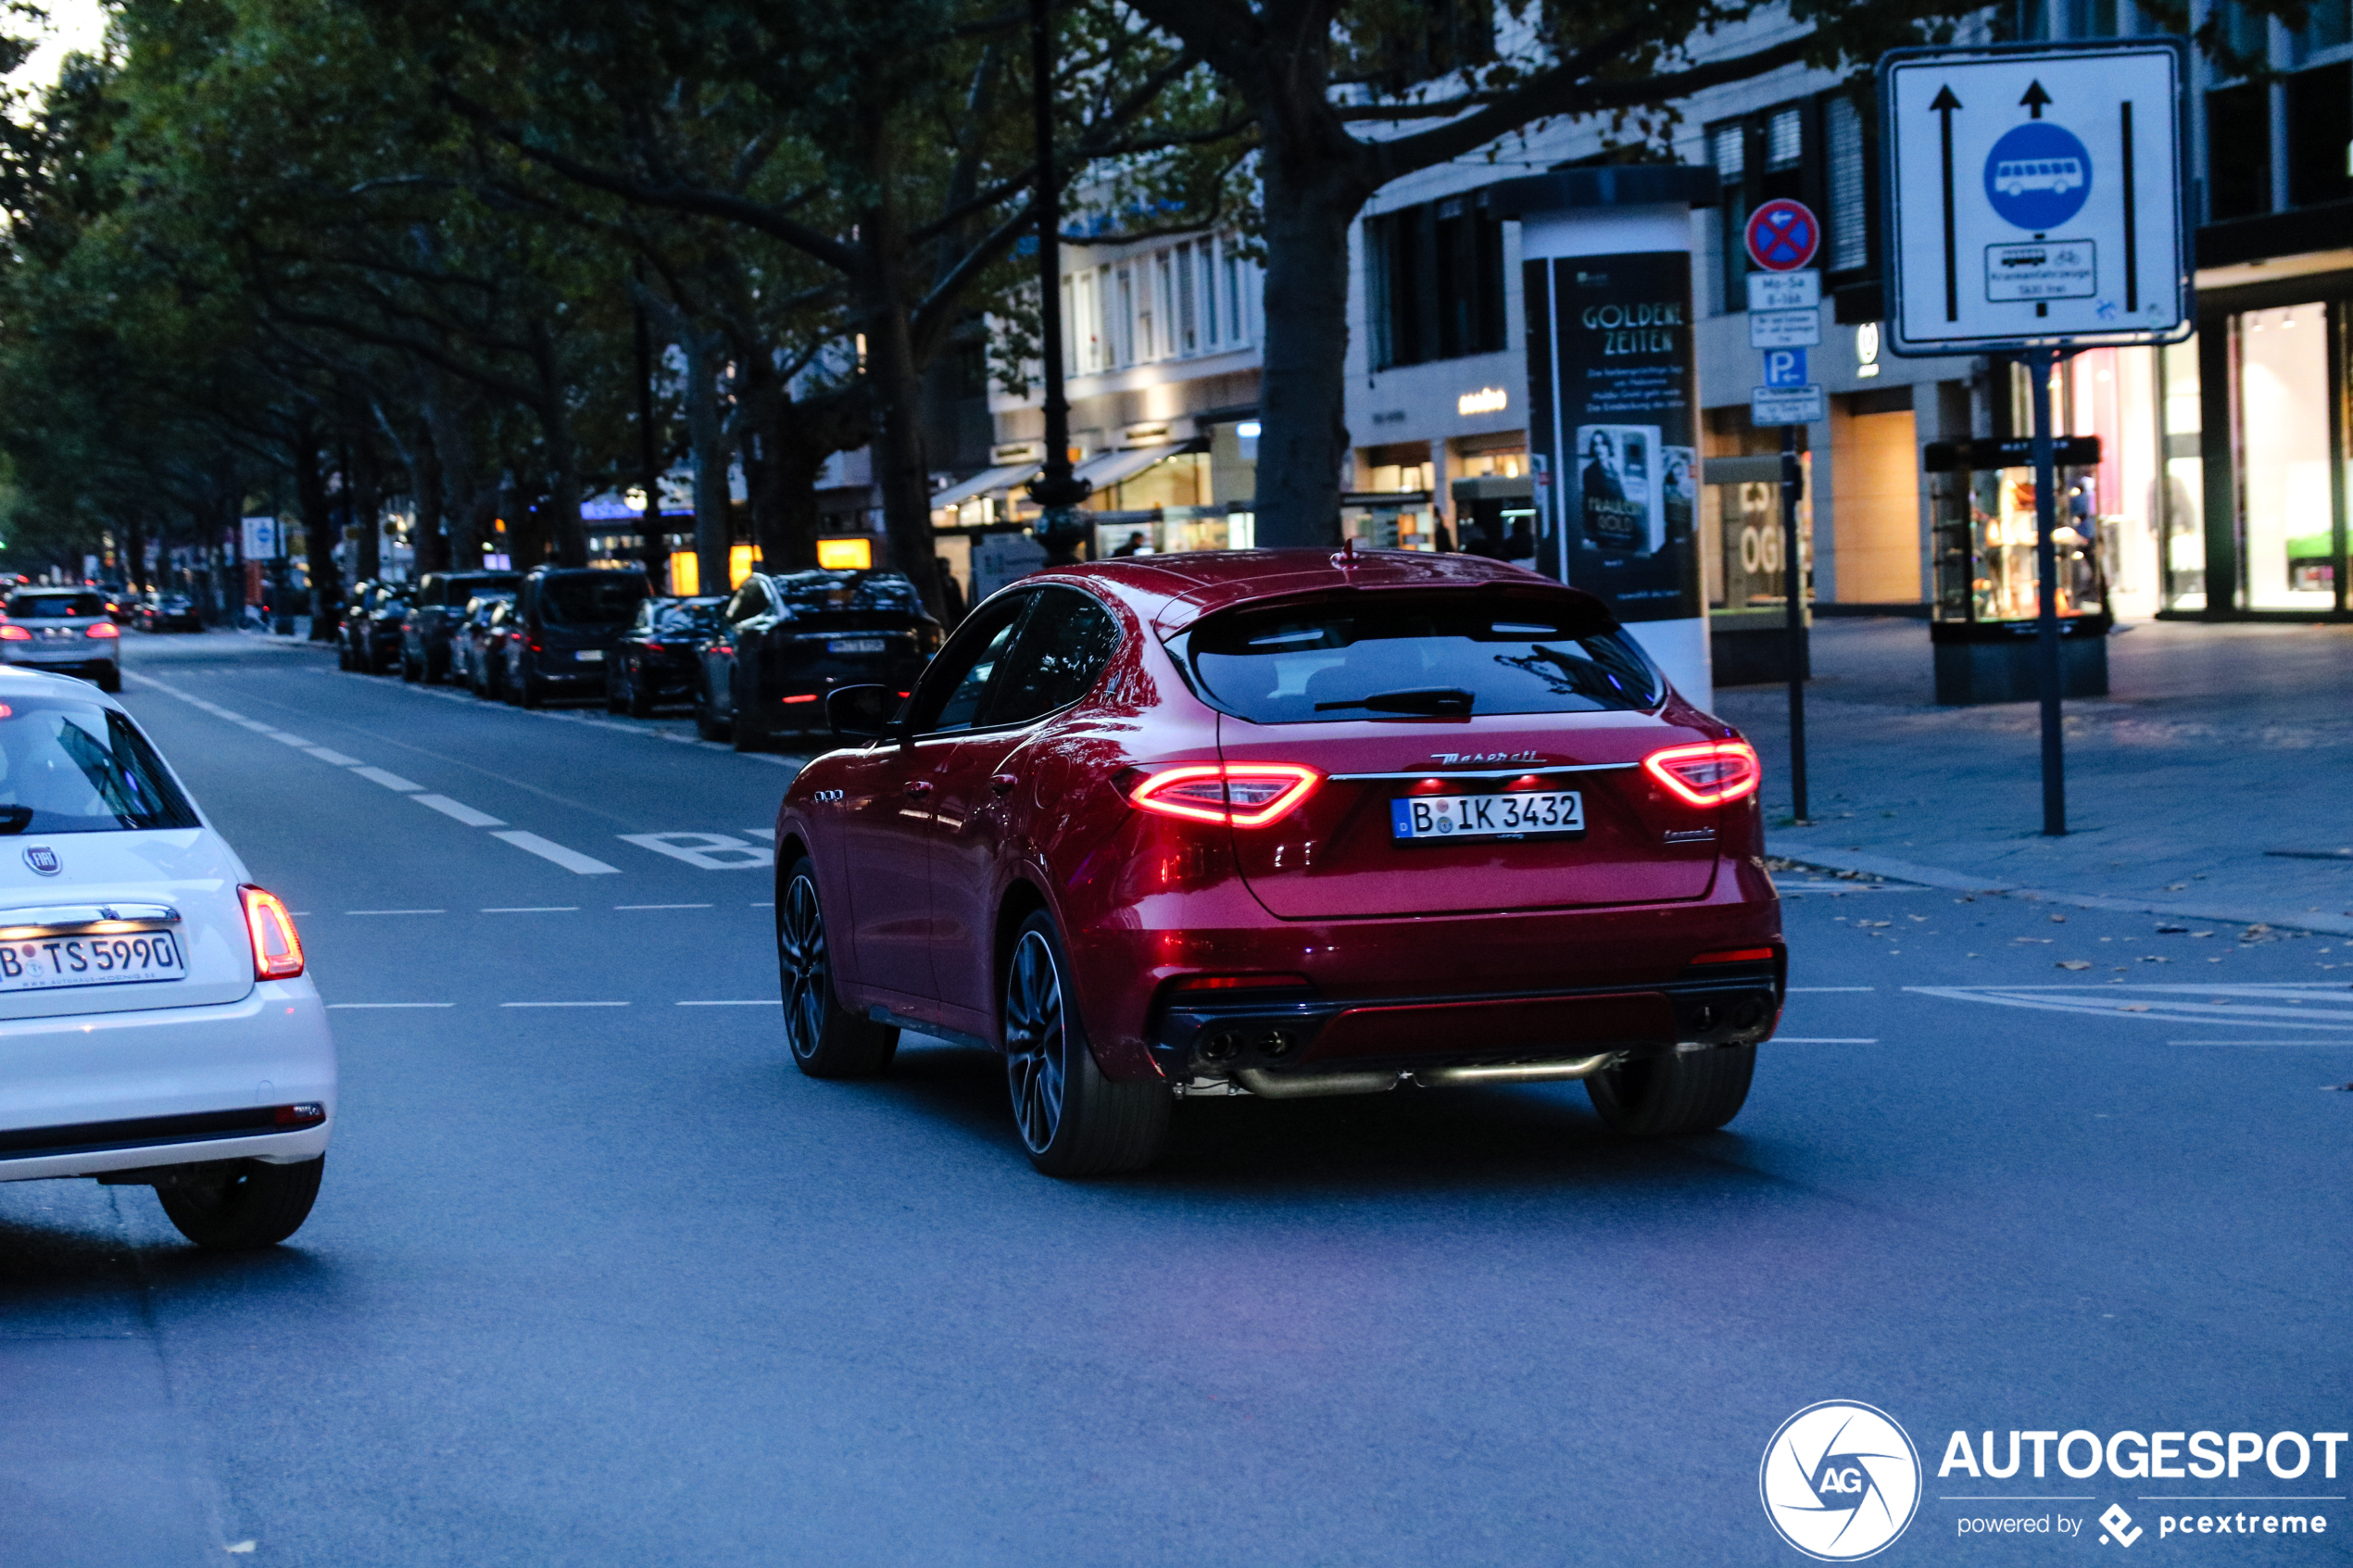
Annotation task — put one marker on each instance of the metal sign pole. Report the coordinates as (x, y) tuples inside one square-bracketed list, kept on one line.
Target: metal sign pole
[(2039, 364), (1794, 595)]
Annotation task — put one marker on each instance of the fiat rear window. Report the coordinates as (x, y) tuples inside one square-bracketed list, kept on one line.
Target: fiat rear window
[(75, 766), (1418, 656)]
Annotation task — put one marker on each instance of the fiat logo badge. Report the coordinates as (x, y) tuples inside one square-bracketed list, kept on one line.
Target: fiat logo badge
[(46, 862)]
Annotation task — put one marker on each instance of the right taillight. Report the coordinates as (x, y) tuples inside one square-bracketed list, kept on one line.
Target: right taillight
[(1714, 772), (1247, 795), (277, 951)]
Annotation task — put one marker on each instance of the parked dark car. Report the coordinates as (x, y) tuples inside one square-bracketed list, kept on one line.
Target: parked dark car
[(349, 635), (166, 612), (789, 639), (567, 621), (435, 609), (377, 643), (486, 634), (466, 632), (657, 658)]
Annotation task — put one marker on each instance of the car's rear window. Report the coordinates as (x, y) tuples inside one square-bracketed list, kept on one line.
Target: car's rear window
[(593, 598), (1419, 655), (75, 766), (686, 620), (55, 606)]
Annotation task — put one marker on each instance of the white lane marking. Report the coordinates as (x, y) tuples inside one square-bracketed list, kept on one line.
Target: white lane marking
[(295, 741), (396, 912), (535, 909), (459, 810), (1817, 1040), (253, 725), (390, 781), (564, 1004), (710, 851), (570, 859), (1826, 990), (661, 905), (327, 754), (2321, 1044), (768, 833), (2276, 1007), (763, 1002), (764, 906), (380, 1006)]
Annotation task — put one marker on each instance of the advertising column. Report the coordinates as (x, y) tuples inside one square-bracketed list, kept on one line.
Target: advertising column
[(1613, 401)]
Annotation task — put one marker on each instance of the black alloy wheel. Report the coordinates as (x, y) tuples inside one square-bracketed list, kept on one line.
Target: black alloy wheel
[(641, 697), (827, 1039), (1072, 1121), (615, 700), (748, 735)]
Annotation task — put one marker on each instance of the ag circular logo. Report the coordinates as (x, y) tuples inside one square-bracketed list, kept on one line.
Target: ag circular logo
[(2038, 176), (1840, 1480)]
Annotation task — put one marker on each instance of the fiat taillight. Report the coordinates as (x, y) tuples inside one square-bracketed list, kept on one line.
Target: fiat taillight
[(277, 951), (1714, 772), (1247, 795)]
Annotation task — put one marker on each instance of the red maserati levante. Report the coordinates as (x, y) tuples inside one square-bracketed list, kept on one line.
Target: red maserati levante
[(1284, 824)]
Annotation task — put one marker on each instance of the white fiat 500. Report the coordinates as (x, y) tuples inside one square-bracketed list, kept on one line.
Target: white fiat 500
[(156, 1026)]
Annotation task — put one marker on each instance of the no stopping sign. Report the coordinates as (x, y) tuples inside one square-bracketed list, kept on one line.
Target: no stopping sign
[(1783, 235)]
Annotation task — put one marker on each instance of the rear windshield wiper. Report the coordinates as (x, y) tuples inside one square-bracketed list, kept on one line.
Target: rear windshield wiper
[(1413, 699), (15, 819)]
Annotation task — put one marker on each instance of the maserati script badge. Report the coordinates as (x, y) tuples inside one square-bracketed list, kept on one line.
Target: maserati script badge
[(46, 862)]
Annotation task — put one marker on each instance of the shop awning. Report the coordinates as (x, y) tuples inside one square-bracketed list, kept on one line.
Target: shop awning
[(982, 483), (1115, 468)]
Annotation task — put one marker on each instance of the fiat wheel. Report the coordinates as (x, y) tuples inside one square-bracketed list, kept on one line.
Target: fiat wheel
[(827, 1039), (1072, 1121)]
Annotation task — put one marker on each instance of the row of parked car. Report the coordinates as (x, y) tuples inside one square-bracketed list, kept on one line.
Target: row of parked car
[(754, 665)]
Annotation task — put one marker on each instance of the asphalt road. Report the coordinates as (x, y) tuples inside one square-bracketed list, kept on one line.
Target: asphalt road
[(597, 1277)]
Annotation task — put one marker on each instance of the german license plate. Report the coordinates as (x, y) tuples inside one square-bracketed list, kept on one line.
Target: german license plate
[(590, 655), (51, 963), (1519, 814), (855, 644)]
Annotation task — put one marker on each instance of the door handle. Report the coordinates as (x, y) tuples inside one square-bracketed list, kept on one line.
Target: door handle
[(919, 787), (1003, 783)]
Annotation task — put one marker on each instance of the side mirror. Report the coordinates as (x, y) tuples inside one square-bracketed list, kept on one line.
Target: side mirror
[(862, 712)]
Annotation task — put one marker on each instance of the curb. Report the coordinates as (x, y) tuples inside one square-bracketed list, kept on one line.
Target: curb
[(1960, 881)]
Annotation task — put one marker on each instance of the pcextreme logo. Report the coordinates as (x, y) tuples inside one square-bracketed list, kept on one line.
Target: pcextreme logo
[(1840, 1480)]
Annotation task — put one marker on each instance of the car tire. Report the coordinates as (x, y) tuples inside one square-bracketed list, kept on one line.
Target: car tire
[(343, 654), (641, 700), (235, 1205), (1072, 1121), (827, 1040), (1669, 1096), (110, 679), (744, 732), (411, 672), (709, 724), (616, 700)]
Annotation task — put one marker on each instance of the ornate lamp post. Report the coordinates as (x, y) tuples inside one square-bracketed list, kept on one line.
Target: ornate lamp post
[(1061, 525)]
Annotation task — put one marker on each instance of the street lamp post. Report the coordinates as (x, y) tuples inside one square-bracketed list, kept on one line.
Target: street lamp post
[(1057, 491)]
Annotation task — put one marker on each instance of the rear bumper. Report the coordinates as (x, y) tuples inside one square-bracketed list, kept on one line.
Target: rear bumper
[(1737, 1006), (1433, 990), (102, 654), (82, 1095)]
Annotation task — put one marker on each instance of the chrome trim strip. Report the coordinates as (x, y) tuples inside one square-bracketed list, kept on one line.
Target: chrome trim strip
[(76, 919), (1487, 773)]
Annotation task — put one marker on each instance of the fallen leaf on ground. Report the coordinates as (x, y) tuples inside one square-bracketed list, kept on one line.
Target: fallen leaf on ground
[(2132, 1007), (2073, 963)]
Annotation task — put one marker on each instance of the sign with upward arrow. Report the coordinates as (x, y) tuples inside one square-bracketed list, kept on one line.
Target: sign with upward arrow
[(2036, 195)]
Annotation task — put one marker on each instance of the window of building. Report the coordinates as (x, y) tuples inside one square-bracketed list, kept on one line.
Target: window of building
[(1207, 256), (1124, 322), (2238, 151), (1849, 219), (1434, 275), (1188, 318), (1237, 330), (2319, 135), (2328, 25)]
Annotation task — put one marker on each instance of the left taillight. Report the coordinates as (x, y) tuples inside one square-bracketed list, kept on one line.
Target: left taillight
[(1247, 795), (277, 951), (104, 629), (1712, 772)]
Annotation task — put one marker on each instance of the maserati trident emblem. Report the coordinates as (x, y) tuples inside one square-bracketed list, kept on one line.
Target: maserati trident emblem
[(43, 861)]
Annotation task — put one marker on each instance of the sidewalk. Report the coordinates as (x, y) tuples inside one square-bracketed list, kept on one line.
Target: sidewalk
[(2215, 784)]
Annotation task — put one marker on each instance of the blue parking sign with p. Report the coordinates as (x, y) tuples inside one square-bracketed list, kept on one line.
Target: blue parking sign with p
[(1785, 367)]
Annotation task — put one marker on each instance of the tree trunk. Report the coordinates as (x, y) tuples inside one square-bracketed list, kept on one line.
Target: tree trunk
[(794, 441), (896, 385), (563, 514), (459, 477), (424, 473), (367, 507), (707, 439), (319, 535), (1303, 398)]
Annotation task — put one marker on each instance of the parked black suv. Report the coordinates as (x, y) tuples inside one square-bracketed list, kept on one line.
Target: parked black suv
[(435, 610), (566, 621), (790, 639)]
